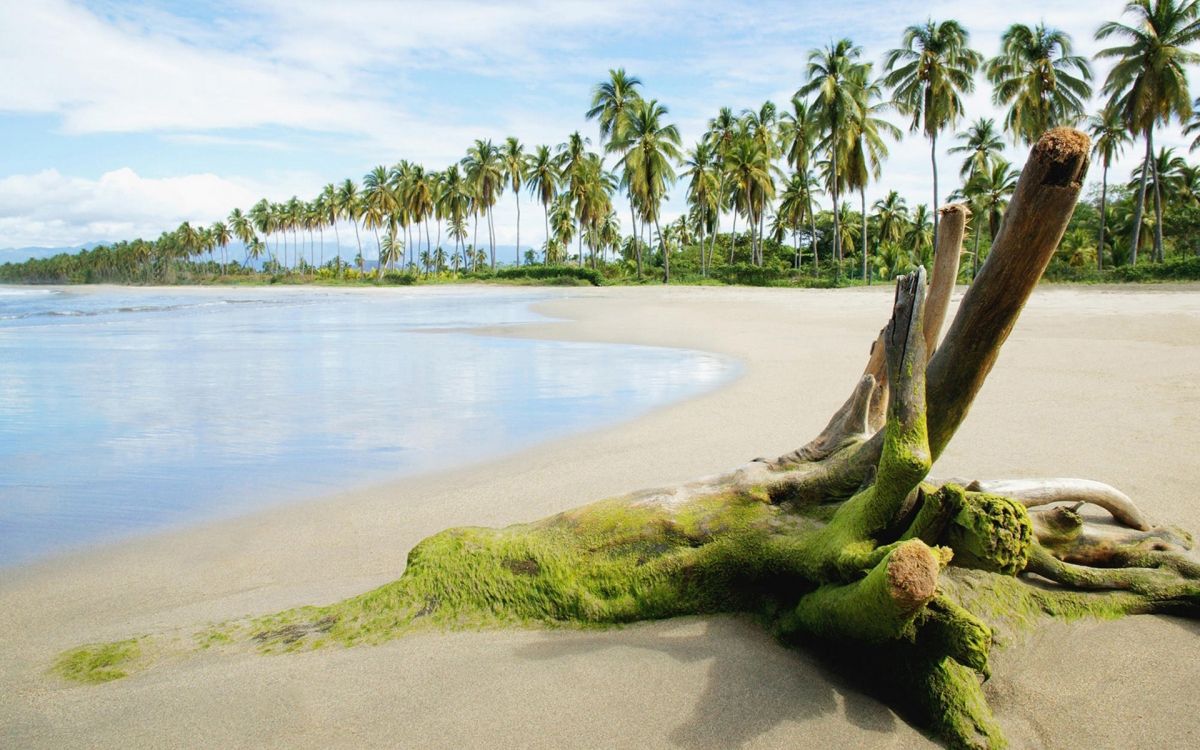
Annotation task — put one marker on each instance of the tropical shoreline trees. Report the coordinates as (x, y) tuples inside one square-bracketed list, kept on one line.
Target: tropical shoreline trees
[(769, 170)]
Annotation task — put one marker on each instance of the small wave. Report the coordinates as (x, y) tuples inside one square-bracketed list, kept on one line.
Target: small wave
[(27, 292), (75, 313)]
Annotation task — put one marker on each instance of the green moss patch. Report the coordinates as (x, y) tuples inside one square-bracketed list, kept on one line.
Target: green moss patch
[(98, 662)]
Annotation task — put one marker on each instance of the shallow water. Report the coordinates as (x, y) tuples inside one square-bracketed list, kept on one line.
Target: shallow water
[(123, 411)]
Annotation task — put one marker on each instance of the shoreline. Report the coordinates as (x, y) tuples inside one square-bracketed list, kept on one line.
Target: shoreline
[(1086, 387), (275, 499)]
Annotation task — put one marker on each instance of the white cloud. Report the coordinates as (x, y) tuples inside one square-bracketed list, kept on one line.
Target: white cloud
[(379, 81), (51, 209)]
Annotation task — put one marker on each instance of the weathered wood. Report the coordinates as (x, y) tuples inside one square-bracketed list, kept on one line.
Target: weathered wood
[(951, 231), (1037, 216)]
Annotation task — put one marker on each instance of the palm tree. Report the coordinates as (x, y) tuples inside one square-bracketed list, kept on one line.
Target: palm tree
[(1187, 185), (794, 205), (918, 235), (831, 76), (190, 240), (486, 173), (377, 201), (419, 200), (293, 216), (389, 252), (652, 147), (891, 216), (254, 249), (563, 223), (929, 73), (330, 213), (454, 201), (243, 229), (513, 156), (1148, 82), (722, 130), (572, 155), (864, 158), (349, 206), (1167, 168), (799, 133), (981, 144), (749, 180), (1109, 137), (541, 170), (221, 237), (992, 189), (702, 190), (263, 219), (759, 126), (1039, 80), (611, 102)]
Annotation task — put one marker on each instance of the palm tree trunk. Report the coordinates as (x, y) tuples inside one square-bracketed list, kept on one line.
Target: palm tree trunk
[(1158, 229), (492, 237), (975, 252), (862, 192), (357, 240), (762, 219), (733, 236), (517, 195), (934, 207), (1141, 201), (837, 238), (1103, 203), (475, 241), (427, 245), (665, 251), (321, 231), (546, 252), (637, 241), (338, 241), (812, 227), (712, 250)]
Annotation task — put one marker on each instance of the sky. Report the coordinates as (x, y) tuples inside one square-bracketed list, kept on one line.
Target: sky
[(121, 120)]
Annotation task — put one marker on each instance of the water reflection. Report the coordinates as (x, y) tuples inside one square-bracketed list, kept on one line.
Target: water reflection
[(122, 412)]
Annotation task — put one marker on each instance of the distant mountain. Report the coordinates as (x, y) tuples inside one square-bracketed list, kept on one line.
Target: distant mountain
[(22, 254)]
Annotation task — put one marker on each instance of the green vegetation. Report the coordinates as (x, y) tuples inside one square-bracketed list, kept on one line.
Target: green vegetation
[(99, 662), (764, 169)]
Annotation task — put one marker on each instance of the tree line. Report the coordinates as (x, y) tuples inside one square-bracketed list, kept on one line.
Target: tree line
[(765, 168)]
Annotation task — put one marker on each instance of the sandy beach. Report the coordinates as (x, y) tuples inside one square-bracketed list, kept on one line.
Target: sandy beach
[(1095, 382)]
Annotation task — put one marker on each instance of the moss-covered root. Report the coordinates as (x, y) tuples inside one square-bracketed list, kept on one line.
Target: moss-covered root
[(880, 607), (950, 699), (1163, 588)]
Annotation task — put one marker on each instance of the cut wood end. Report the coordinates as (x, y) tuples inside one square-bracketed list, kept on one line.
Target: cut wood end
[(912, 574), (955, 208), (1066, 150)]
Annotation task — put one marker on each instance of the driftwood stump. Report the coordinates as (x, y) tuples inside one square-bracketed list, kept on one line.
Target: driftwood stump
[(844, 542)]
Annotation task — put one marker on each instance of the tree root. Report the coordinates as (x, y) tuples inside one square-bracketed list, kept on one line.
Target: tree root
[(843, 540)]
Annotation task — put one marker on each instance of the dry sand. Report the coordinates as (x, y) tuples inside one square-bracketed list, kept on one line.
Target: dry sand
[(1097, 383)]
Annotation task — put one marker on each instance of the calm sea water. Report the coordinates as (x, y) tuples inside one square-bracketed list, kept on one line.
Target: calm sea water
[(127, 411)]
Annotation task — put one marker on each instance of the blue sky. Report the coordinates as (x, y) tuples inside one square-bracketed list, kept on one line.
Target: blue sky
[(123, 119)]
